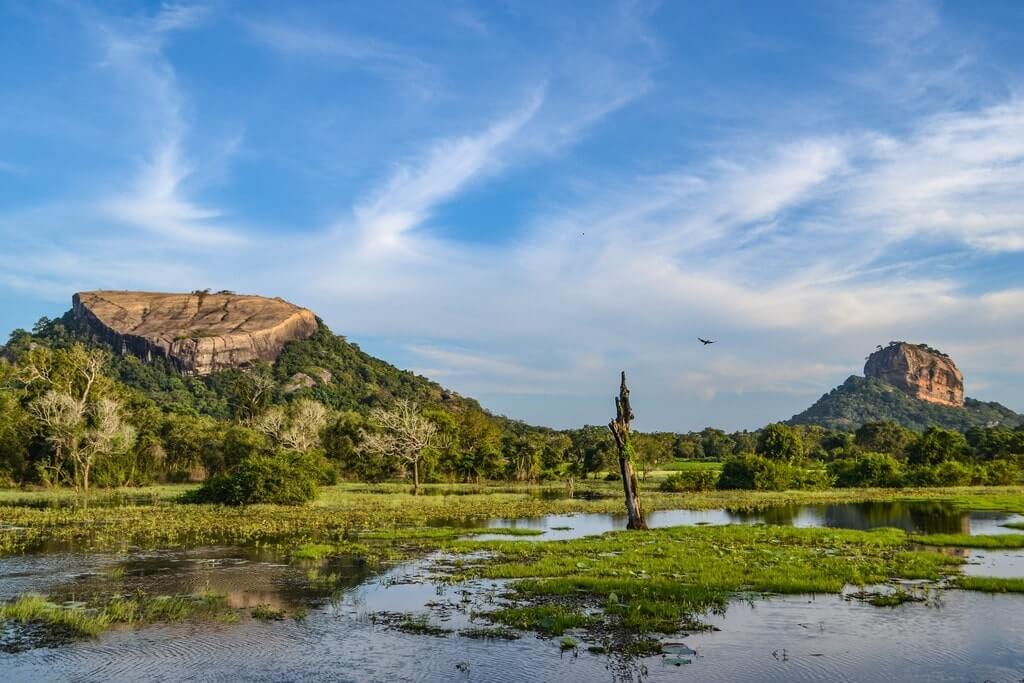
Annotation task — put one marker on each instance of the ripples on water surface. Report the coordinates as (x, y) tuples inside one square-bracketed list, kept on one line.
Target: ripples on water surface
[(963, 636)]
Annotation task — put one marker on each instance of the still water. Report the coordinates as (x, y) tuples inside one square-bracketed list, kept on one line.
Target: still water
[(347, 636), (924, 518)]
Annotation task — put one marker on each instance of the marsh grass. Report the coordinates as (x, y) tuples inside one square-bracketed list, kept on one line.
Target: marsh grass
[(38, 609), (267, 613), (988, 584), (553, 620), (490, 633), (891, 599), (93, 619), (443, 533), (407, 622), (144, 609), (314, 551), (348, 512), (666, 580), (997, 541)]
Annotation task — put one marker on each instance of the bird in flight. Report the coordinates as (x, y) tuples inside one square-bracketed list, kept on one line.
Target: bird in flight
[(705, 342)]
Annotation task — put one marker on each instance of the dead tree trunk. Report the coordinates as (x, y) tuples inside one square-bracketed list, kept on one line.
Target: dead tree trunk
[(620, 430)]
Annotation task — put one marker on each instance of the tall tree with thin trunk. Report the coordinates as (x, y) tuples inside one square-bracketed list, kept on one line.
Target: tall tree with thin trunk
[(620, 427), (402, 432), (75, 410)]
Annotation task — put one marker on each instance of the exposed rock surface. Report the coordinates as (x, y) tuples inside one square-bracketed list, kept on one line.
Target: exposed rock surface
[(200, 332), (918, 371)]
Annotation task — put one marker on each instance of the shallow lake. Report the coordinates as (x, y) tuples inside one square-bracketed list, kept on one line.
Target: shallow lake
[(347, 636), (925, 518)]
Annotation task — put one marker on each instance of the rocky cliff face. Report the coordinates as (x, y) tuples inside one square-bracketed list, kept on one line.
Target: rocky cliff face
[(199, 333), (919, 371)]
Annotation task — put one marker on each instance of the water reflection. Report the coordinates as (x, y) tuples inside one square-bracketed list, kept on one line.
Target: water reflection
[(962, 636), (913, 517), (248, 576), (967, 636)]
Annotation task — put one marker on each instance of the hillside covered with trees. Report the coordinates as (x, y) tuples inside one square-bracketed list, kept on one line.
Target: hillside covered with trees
[(866, 399)]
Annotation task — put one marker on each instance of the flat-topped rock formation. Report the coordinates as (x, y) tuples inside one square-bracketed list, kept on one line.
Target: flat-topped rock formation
[(919, 371), (198, 333)]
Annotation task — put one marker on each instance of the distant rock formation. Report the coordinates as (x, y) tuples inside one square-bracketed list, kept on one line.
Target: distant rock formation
[(919, 371), (198, 333)]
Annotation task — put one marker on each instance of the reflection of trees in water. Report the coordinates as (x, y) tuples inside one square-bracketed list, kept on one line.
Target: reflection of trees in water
[(930, 518), (247, 576), (915, 517), (781, 515)]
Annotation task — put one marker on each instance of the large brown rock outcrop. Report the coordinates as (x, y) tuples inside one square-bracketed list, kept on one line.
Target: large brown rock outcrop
[(200, 332), (919, 371)]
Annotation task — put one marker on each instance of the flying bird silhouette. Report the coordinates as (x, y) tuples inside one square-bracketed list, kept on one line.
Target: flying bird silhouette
[(705, 342)]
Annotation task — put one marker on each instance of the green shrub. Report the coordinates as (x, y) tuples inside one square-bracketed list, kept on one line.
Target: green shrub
[(948, 473), (761, 474), (1002, 473), (780, 442), (690, 480), (867, 469), (937, 445), (284, 478)]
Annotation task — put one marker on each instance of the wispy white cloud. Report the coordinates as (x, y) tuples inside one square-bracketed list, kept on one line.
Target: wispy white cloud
[(157, 204), (174, 17), (734, 375), (957, 177), (446, 168), (156, 200), (338, 50)]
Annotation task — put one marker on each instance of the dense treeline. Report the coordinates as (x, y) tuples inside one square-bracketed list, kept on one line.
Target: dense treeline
[(73, 413)]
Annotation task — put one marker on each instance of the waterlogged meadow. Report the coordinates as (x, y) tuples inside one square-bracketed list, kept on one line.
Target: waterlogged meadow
[(465, 581)]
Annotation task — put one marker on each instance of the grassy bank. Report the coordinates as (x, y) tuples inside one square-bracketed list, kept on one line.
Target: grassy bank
[(659, 580), (343, 514), (994, 542), (92, 619)]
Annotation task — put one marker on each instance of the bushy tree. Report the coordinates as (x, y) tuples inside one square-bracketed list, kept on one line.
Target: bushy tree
[(15, 430), (686, 448), (592, 450), (476, 454), (690, 480), (715, 443), (883, 437), (780, 442), (937, 445), (867, 469), (283, 478), (763, 474)]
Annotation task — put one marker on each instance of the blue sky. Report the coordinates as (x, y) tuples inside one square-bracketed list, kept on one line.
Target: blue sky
[(519, 199)]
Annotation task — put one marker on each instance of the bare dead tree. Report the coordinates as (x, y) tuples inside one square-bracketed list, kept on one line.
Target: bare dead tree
[(299, 428), (271, 423), (620, 428), (307, 420), (79, 423), (82, 433), (402, 432)]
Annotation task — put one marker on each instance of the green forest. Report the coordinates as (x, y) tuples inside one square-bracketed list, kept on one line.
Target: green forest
[(72, 413)]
